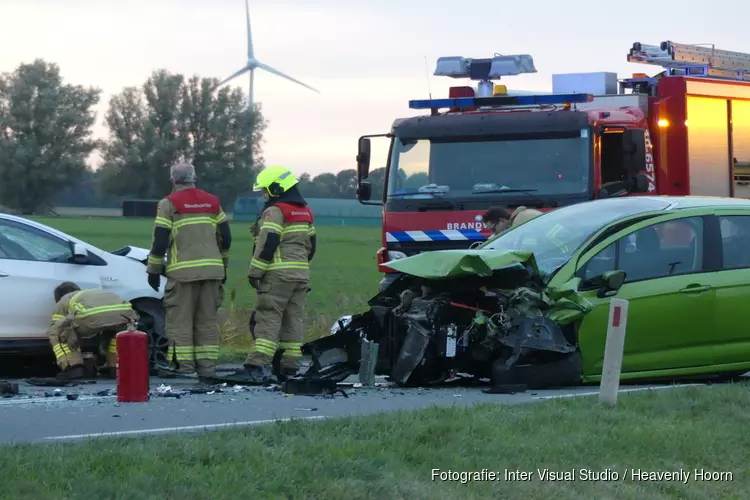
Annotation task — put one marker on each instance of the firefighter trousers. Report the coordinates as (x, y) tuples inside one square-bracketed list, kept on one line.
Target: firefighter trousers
[(278, 322), (67, 350), (192, 325)]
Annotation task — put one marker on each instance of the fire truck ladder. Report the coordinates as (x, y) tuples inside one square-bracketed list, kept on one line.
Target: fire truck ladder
[(693, 60)]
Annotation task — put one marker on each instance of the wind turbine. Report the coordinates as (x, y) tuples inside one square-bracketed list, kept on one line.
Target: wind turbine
[(253, 64)]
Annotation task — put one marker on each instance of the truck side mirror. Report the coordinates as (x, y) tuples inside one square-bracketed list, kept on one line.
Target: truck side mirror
[(364, 191), (639, 184), (363, 158)]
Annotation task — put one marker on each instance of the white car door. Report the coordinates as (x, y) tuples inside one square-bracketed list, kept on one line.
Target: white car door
[(32, 263)]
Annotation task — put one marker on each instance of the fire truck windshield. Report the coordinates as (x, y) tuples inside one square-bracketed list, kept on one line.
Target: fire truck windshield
[(542, 164)]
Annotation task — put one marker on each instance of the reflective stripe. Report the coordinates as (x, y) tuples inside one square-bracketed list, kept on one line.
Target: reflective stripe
[(259, 264), (82, 311), (264, 346), (297, 228), (289, 265), (57, 317), (113, 346), (155, 260), (163, 222), (61, 350), (221, 217), (195, 263), (182, 352), (311, 230), (190, 221), (209, 352), (291, 349), (272, 227)]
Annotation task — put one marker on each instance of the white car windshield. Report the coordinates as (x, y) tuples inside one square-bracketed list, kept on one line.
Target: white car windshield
[(556, 235)]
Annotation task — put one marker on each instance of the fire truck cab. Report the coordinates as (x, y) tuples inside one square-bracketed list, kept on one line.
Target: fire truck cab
[(684, 131)]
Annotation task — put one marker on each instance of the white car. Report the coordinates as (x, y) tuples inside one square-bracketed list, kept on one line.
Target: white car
[(35, 258)]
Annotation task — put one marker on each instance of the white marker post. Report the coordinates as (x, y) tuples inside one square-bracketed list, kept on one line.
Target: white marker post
[(613, 351)]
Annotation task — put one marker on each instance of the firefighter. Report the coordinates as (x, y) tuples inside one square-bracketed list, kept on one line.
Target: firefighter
[(285, 244), (192, 229), (522, 214), (496, 218), (499, 219), (81, 314)]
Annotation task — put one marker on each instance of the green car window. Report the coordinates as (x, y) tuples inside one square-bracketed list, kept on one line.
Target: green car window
[(665, 249), (735, 241), (556, 235)]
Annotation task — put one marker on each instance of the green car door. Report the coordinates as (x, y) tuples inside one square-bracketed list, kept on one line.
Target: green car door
[(728, 341), (671, 298)]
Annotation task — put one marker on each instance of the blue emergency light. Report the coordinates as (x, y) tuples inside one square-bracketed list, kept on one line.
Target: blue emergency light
[(518, 100)]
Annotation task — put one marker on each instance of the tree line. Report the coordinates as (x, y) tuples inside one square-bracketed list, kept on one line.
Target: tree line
[(46, 138)]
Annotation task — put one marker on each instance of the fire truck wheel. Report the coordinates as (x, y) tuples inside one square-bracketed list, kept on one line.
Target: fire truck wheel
[(151, 321)]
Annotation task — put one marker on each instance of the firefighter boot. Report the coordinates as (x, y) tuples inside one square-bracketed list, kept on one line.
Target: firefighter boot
[(252, 374), (72, 373)]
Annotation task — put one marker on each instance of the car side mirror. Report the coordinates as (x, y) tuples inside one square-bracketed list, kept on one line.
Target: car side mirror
[(80, 254), (611, 283), (364, 191), (363, 158)]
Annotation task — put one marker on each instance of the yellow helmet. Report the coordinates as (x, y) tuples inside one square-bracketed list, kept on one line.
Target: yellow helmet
[(276, 180)]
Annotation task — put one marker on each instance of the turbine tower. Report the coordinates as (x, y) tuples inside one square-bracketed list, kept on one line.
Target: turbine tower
[(253, 64)]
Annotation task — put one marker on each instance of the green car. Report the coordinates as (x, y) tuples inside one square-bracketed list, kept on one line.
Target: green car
[(530, 306)]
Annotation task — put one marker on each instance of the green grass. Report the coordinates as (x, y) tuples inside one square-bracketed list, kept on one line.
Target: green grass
[(344, 273), (391, 456)]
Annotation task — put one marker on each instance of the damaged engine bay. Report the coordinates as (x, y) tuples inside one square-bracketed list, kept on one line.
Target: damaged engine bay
[(506, 326)]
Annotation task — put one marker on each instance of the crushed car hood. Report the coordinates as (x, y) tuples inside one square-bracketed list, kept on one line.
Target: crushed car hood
[(446, 264)]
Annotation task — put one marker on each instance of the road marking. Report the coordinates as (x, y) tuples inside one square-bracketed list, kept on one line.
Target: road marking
[(165, 430), (634, 389)]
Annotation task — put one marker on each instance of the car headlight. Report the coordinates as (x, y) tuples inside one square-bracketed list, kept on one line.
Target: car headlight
[(340, 323), (396, 255)]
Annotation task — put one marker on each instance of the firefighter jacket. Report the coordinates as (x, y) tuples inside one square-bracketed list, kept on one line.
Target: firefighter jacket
[(285, 242), (523, 214), (90, 311), (192, 229)]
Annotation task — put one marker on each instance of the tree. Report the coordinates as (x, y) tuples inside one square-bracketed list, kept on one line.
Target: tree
[(173, 118), (346, 184), (45, 135)]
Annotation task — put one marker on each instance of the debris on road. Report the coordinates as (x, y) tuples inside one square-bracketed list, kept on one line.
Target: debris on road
[(8, 389)]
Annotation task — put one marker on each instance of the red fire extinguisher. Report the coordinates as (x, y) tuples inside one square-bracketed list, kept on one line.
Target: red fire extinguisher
[(132, 366)]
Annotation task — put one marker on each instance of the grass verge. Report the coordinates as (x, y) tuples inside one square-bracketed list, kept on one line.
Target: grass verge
[(344, 273), (393, 455)]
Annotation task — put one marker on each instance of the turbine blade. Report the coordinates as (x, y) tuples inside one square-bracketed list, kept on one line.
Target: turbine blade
[(282, 75), (250, 52), (233, 76)]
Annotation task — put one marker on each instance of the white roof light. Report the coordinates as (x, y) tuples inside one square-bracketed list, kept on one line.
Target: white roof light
[(453, 66), (511, 65)]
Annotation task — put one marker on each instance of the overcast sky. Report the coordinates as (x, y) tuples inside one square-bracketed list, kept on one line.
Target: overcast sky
[(366, 57)]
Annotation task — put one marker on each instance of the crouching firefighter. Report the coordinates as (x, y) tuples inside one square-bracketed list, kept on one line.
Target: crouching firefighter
[(192, 230), (285, 244), (82, 314)]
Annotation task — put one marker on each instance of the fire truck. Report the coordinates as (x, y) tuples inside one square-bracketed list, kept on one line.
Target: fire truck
[(684, 131)]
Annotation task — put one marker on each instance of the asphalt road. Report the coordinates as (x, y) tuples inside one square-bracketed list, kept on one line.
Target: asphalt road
[(44, 414)]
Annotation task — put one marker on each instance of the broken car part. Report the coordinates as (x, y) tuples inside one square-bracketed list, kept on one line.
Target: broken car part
[(484, 313)]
